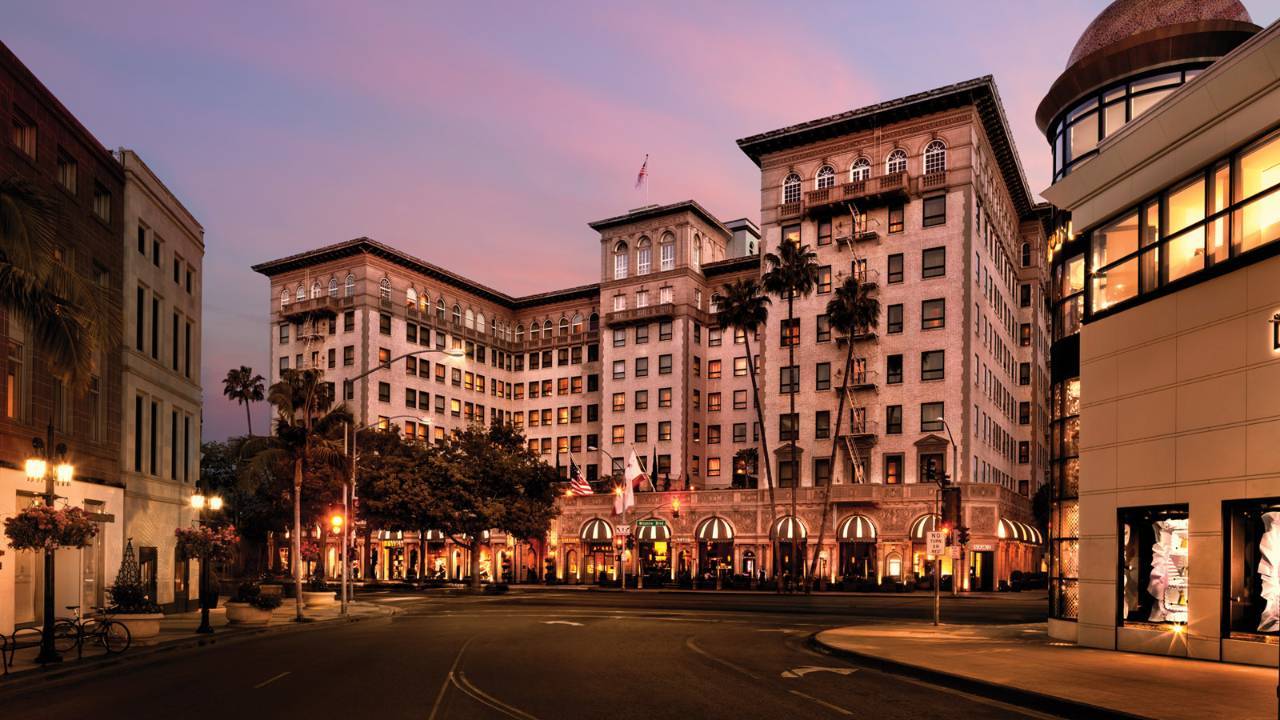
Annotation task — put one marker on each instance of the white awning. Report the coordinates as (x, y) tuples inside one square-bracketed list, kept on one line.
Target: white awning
[(790, 528), (923, 525), (1019, 531), (654, 533), (715, 529), (596, 530), (856, 528)]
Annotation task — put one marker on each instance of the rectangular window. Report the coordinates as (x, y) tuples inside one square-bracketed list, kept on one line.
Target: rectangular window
[(349, 321), (893, 369), (1024, 373), (713, 467), (1154, 560), (893, 420), (822, 424), (790, 332), (619, 369), (618, 434), (714, 369), (821, 471), (931, 416), (789, 427), (1024, 335), (824, 232), (642, 367), (739, 432), (348, 355), (384, 392), (154, 447), (893, 319), (932, 365), (641, 433), (822, 376), (740, 367), (619, 337), (933, 262), (664, 364), (713, 402), (177, 324), (24, 133), (896, 214), (895, 268), (140, 322), (893, 469), (664, 397), (935, 210), (789, 379), (642, 400), (664, 330), (137, 434), (933, 314), (1024, 413), (823, 325), (155, 328), (619, 402), (67, 171), (186, 342), (1024, 294), (1249, 536), (102, 203), (384, 323), (739, 399), (824, 280), (664, 430)]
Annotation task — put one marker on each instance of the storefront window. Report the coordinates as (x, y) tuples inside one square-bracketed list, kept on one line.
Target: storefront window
[(1155, 564), (1064, 521), (1252, 542)]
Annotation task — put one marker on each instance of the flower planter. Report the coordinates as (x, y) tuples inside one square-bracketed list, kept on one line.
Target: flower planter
[(239, 613), (323, 598), (142, 626)]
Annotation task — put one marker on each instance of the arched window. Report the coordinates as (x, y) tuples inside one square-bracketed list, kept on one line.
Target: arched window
[(535, 330), (471, 319), (577, 323), (333, 287), (935, 157), (424, 303), (440, 309), (896, 162), (284, 298), (644, 256), (620, 261), (493, 327), (301, 294), (667, 251), (826, 177), (520, 333), (480, 322), (564, 326), (316, 290), (1026, 254), (593, 323), (351, 285), (457, 314), (411, 298), (546, 328), (384, 288), (697, 251), (860, 170), (791, 189)]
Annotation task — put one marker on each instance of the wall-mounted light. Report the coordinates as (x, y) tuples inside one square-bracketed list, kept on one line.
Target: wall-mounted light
[(1275, 331)]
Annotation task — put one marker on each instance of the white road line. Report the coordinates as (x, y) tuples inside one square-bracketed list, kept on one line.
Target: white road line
[(562, 622), (689, 643), (822, 702), (468, 687), (435, 707), (268, 681)]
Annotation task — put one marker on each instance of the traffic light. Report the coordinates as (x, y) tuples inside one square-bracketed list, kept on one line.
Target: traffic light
[(951, 507), (964, 535), (930, 471)]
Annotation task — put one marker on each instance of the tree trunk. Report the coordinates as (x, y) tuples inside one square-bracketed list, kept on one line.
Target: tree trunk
[(835, 444), (764, 446), (297, 537), (475, 565), (248, 416), (796, 562)]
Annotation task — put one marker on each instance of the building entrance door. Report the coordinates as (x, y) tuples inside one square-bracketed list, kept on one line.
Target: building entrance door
[(982, 571), (27, 587)]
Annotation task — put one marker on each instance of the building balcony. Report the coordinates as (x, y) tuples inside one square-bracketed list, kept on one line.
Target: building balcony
[(862, 433), (787, 211), (933, 181), (864, 380), (858, 236), (868, 276), (863, 335), (871, 191), (325, 306), (640, 315)]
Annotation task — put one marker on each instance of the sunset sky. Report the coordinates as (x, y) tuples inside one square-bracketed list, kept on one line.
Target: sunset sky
[(484, 136)]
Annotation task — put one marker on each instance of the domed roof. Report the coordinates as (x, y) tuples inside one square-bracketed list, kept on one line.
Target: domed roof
[(1126, 18)]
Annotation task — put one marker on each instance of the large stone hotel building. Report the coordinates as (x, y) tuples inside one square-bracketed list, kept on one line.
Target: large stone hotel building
[(921, 197)]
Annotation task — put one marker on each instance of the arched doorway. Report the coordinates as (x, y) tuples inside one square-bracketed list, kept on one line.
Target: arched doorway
[(571, 566), (653, 543), (857, 537), (597, 550), (715, 547), (792, 536)]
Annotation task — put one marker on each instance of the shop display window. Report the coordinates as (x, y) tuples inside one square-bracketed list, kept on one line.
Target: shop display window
[(1251, 534), (1154, 563)]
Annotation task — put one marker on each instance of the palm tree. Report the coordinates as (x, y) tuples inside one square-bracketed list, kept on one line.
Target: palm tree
[(309, 432), (64, 312), (853, 309), (243, 386), (793, 271), (743, 308)]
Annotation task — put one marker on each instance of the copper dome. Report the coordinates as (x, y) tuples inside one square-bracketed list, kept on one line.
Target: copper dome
[(1126, 18)]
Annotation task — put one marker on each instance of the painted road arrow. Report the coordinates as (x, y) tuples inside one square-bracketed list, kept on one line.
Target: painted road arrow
[(806, 669)]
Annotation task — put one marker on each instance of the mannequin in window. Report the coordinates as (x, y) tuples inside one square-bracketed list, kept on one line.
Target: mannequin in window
[(1269, 572)]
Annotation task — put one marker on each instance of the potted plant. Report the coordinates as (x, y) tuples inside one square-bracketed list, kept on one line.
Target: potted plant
[(40, 527), (130, 602), (209, 545), (250, 607), (316, 592)]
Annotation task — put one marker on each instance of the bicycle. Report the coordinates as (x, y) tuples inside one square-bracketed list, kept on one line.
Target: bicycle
[(74, 632)]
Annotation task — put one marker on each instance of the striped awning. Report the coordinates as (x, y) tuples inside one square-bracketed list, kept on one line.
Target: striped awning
[(922, 526), (654, 533), (1019, 531), (856, 528), (434, 536), (715, 529), (596, 530), (790, 528)]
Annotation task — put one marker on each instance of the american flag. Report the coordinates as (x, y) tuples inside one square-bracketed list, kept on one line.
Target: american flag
[(644, 172), (578, 485)]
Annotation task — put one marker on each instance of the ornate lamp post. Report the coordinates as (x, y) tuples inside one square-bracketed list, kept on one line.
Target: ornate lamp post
[(48, 463), (204, 505)]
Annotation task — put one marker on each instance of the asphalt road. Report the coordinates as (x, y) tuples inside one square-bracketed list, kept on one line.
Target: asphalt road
[(542, 655)]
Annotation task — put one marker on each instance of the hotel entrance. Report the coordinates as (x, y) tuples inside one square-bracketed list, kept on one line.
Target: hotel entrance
[(599, 559), (982, 570)]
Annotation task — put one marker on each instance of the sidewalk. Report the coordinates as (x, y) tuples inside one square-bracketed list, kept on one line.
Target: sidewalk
[(1021, 665), (179, 631)]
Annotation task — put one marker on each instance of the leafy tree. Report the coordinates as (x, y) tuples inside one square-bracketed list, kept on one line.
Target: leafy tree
[(793, 271), (67, 318), (256, 498), (853, 309), (245, 387), (743, 308)]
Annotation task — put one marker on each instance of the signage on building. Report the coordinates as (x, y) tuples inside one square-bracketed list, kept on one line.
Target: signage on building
[(979, 547), (651, 523), (623, 530), (684, 538), (936, 543)]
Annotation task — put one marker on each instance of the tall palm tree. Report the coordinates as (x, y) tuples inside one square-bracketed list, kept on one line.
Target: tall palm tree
[(308, 434), (853, 309), (65, 313), (793, 271), (243, 386), (743, 308)]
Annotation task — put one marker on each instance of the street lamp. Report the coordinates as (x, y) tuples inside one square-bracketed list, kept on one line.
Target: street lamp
[(37, 469), (202, 505)]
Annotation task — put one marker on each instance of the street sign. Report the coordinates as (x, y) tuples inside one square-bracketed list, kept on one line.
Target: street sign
[(623, 530), (936, 543), (981, 547), (651, 523), (955, 552)]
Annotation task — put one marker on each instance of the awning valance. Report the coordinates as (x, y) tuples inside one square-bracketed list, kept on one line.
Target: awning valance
[(715, 529), (856, 528), (790, 528), (596, 530)]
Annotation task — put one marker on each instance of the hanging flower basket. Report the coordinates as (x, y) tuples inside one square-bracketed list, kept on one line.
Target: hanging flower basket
[(39, 527), (215, 544)]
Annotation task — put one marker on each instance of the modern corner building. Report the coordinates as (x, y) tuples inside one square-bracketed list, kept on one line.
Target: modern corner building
[(1166, 335), (922, 198), (160, 452), (101, 202)]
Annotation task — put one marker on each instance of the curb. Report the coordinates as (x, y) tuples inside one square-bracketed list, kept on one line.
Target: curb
[(1029, 699), (22, 682)]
